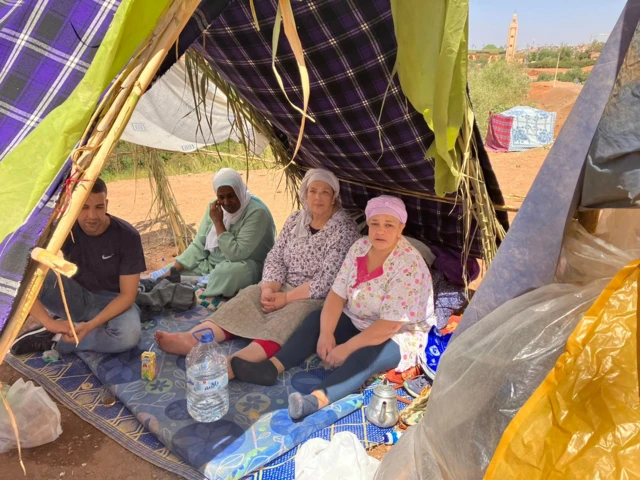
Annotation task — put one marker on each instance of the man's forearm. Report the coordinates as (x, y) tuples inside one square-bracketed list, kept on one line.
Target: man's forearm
[(117, 306), (40, 313)]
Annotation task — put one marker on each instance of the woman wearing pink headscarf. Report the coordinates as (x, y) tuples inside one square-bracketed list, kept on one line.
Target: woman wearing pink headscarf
[(376, 317)]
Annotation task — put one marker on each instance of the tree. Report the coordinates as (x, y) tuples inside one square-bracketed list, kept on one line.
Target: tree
[(496, 87), (491, 48), (566, 53)]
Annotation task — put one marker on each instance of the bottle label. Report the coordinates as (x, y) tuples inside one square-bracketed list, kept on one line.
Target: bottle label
[(205, 386)]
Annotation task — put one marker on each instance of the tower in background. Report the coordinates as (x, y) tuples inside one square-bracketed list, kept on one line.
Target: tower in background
[(513, 38)]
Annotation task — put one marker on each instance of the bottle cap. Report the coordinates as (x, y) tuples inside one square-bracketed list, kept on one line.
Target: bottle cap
[(206, 335)]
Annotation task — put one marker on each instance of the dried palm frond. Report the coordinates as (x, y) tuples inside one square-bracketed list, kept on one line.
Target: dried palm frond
[(476, 203), (163, 200), (245, 116), (284, 14)]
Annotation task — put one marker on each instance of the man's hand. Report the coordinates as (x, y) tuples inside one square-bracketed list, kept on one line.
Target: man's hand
[(273, 302), (82, 329), (215, 213), (326, 343), (338, 355), (57, 326)]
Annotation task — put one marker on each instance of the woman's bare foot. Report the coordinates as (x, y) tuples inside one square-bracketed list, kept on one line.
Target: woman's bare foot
[(177, 343)]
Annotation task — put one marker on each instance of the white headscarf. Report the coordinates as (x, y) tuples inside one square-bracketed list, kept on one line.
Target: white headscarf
[(314, 175), (228, 177)]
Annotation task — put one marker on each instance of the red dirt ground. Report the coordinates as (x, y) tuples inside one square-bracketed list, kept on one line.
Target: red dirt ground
[(82, 444)]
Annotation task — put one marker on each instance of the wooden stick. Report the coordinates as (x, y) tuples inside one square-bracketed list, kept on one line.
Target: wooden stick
[(54, 262), (66, 308), (14, 425), (589, 220)]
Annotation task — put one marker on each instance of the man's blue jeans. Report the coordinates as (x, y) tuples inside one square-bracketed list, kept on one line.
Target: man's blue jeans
[(118, 335)]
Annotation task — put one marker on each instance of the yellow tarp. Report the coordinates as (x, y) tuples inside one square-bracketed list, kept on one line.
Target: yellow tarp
[(583, 422)]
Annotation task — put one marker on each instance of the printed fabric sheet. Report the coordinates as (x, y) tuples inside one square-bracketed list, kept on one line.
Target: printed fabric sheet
[(257, 428)]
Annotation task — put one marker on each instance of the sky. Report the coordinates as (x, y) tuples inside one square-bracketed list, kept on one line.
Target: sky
[(543, 21)]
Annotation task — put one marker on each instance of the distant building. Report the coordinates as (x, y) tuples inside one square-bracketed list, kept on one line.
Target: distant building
[(489, 56), (512, 39)]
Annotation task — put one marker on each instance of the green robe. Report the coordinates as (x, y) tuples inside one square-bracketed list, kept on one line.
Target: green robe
[(238, 259)]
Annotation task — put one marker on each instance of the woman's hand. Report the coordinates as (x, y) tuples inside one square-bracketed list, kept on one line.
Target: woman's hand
[(326, 343), (274, 301), (215, 212), (338, 355), (265, 295)]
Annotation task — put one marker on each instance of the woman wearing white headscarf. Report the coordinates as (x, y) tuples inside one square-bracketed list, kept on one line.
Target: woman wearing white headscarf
[(298, 274), (234, 238)]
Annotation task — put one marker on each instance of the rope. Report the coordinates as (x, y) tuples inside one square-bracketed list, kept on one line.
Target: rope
[(67, 190), (14, 425)]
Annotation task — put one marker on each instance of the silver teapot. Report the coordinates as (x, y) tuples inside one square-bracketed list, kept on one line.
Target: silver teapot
[(382, 410)]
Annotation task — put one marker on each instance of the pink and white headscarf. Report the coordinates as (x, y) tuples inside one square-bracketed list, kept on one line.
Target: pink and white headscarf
[(386, 205)]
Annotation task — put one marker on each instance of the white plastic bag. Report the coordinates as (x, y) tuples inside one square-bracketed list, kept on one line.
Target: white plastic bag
[(37, 416), (344, 458)]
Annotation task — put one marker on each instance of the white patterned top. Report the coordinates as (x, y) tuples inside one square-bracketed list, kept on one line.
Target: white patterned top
[(316, 257), (399, 291)]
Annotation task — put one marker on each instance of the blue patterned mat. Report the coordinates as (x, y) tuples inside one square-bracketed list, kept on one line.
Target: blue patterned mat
[(256, 434)]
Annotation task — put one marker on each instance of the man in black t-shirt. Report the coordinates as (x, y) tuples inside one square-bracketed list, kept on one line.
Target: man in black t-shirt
[(101, 297)]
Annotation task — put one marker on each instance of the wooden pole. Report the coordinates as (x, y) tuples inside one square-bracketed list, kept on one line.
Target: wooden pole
[(555, 78), (589, 220), (138, 80)]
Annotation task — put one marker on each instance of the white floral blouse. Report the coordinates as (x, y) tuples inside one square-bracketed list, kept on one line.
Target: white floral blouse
[(314, 258), (399, 291)]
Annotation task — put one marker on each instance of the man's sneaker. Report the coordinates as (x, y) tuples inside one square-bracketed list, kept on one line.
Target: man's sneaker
[(37, 340), (415, 386)]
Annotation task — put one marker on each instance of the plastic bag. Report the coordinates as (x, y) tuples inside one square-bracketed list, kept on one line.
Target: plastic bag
[(37, 416), (344, 458), (490, 371), (620, 227), (585, 417)]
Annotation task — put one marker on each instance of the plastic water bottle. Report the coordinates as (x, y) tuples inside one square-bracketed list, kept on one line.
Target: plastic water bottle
[(207, 379)]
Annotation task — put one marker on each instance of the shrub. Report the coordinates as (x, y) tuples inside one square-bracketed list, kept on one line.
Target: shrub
[(544, 77), (496, 88), (574, 75)]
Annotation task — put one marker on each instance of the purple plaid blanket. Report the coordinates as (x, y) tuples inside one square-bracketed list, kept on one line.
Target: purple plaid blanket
[(350, 50), (46, 47)]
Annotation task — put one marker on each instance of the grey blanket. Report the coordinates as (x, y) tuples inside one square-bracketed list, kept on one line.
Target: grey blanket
[(166, 294)]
